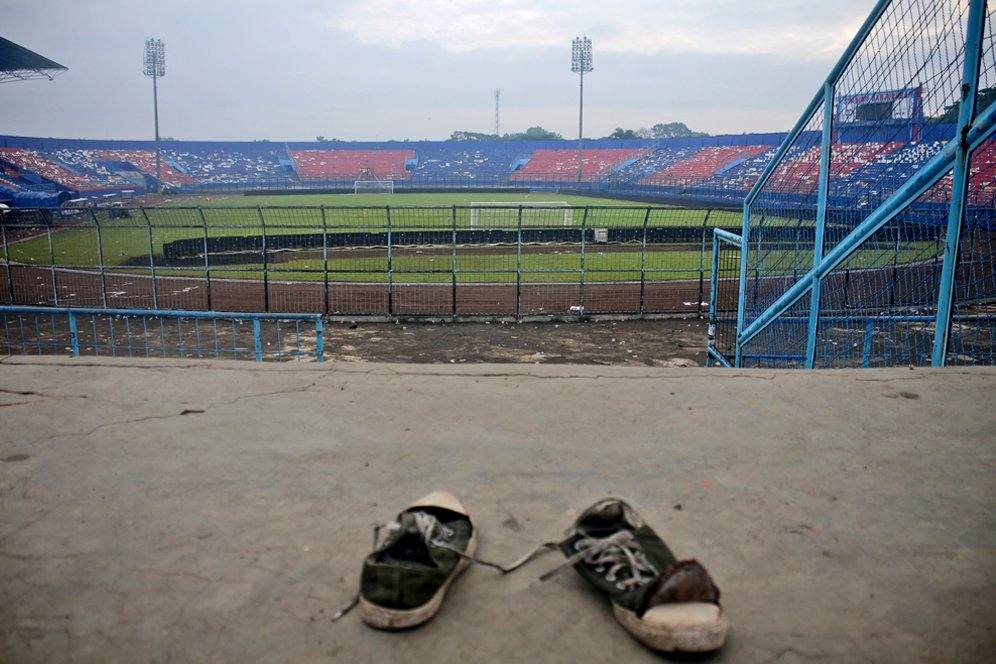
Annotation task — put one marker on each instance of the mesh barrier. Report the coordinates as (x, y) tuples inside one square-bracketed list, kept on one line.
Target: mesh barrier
[(515, 260), (847, 259)]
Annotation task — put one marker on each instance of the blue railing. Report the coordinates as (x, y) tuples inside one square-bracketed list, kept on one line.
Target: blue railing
[(157, 333)]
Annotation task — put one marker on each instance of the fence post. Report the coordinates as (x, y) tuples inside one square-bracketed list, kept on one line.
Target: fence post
[(454, 261), (959, 188), (257, 339), (73, 336), (100, 259), (152, 261), (207, 259), (866, 351), (826, 151), (266, 267), (6, 256), (518, 266), (643, 265), (325, 260), (390, 263), (702, 252), (51, 262), (319, 339), (584, 221)]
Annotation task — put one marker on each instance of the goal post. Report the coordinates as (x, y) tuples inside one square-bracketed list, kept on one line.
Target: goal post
[(488, 214), (373, 187)]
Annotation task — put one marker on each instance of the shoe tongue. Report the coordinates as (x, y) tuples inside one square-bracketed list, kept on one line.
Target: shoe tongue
[(406, 545), (605, 521)]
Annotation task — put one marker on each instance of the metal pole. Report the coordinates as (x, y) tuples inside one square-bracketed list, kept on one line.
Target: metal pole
[(959, 188), (702, 252), (581, 123), (518, 266), (73, 335), (266, 267), (100, 260), (152, 261), (643, 265), (51, 261), (826, 148), (207, 258), (390, 264), (155, 104), (6, 255), (319, 340), (454, 259), (584, 220), (325, 261)]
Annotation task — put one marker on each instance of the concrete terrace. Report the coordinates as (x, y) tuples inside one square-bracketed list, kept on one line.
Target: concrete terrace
[(198, 512)]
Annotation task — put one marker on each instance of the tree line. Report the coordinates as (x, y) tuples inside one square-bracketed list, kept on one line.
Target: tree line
[(659, 130)]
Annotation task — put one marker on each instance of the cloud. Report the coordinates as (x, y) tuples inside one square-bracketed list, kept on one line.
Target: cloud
[(800, 28)]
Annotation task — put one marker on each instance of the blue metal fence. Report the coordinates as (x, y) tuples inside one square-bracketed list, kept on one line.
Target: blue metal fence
[(873, 269), (164, 334)]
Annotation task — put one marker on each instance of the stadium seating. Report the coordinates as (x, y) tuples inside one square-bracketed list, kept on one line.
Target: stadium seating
[(145, 160), (561, 165), (464, 163), (735, 180), (703, 164), (84, 162), (30, 160), (705, 170), (653, 161), (231, 166), (349, 164)]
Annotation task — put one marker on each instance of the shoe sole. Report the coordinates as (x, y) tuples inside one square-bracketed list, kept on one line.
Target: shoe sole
[(381, 617), (689, 627)]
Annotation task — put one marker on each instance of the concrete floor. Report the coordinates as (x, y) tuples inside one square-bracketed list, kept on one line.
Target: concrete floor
[(198, 512)]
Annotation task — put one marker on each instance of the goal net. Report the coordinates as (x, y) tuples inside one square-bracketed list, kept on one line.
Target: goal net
[(506, 215), (373, 187)]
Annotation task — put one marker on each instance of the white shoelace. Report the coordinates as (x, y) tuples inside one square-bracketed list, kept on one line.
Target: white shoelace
[(610, 556)]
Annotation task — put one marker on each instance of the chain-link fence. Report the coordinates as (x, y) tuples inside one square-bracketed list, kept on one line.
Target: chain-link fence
[(868, 240), (507, 260)]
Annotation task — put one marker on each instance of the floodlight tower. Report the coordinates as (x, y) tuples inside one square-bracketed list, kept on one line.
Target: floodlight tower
[(581, 63), (497, 108), (155, 66)]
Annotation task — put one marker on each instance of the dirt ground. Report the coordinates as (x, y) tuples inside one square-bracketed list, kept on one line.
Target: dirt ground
[(665, 342)]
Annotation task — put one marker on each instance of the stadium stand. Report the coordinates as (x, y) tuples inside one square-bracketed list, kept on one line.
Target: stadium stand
[(490, 162), (349, 164), (653, 161), (562, 164), (145, 160), (708, 169), (800, 175), (83, 162), (227, 166), (705, 163), (29, 161), (733, 181)]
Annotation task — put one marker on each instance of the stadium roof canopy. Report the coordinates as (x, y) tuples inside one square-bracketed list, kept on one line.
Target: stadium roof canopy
[(19, 64)]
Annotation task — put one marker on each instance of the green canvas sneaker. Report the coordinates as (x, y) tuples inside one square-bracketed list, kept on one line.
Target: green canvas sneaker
[(667, 604), (405, 579)]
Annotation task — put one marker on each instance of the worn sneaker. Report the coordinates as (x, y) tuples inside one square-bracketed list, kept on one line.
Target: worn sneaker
[(405, 578), (666, 604)]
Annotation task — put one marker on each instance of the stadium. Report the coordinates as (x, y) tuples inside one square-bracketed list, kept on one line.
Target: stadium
[(194, 450), (509, 228)]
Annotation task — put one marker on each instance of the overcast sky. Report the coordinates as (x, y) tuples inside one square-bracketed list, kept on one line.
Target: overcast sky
[(419, 69)]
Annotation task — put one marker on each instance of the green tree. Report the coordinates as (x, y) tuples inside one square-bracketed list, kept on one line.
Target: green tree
[(472, 136), (986, 96), (674, 130), (623, 133)]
